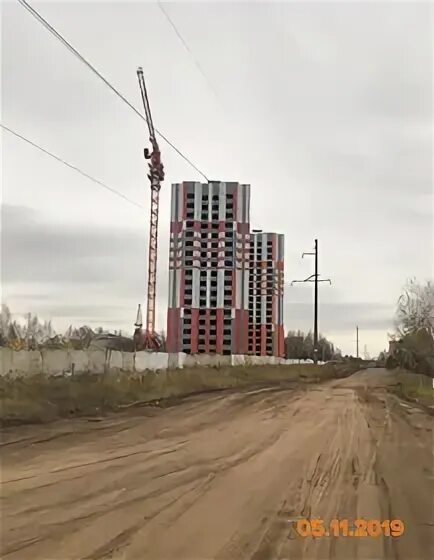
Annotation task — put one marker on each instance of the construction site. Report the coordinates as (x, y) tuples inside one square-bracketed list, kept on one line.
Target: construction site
[(222, 424), (226, 283)]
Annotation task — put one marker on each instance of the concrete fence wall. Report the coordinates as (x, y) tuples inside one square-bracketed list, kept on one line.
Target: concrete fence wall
[(182, 360), (69, 362)]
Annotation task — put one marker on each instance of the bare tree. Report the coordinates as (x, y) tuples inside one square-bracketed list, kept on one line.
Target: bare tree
[(415, 308)]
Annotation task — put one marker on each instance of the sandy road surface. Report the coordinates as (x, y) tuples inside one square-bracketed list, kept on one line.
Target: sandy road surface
[(219, 476)]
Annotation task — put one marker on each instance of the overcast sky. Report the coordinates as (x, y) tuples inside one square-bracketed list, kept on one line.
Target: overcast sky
[(324, 108)]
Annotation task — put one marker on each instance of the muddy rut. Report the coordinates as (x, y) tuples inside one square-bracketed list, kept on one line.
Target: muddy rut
[(221, 476)]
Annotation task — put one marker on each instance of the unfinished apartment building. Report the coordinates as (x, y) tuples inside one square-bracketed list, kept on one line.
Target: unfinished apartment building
[(208, 268), (265, 334)]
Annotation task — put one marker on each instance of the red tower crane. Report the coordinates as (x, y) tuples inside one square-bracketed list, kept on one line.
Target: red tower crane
[(149, 340)]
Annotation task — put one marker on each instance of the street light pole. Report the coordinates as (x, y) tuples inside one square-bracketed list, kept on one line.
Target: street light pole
[(315, 280)]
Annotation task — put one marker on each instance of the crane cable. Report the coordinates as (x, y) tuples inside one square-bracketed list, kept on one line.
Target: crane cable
[(100, 183), (74, 51)]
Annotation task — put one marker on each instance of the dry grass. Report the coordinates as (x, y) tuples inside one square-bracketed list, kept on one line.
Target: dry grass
[(41, 399), (415, 387)]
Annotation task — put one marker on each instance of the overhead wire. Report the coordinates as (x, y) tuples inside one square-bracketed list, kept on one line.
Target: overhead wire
[(76, 53), (75, 168), (187, 48)]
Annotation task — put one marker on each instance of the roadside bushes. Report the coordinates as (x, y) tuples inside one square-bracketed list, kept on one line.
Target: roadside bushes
[(414, 352)]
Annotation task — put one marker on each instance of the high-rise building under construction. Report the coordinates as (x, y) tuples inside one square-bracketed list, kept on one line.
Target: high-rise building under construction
[(266, 337), (219, 283), (208, 268)]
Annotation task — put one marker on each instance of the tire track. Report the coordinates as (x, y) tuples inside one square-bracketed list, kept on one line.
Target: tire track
[(220, 477)]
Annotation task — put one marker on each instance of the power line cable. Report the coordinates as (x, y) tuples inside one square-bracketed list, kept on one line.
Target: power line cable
[(74, 51), (187, 48), (100, 183)]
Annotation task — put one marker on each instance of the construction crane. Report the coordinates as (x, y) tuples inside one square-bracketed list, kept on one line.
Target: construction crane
[(149, 340)]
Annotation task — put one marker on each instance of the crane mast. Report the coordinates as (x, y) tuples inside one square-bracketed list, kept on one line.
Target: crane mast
[(150, 339)]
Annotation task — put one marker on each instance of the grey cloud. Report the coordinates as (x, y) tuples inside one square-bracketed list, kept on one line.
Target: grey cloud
[(37, 251), (72, 96), (85, 312), (325, 108), (75, 272), (340, 316)]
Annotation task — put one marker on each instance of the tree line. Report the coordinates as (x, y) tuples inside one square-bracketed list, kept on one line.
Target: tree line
[(299, 346)]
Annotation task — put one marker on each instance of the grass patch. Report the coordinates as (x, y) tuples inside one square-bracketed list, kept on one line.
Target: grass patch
[(39, 399), (415, 387)]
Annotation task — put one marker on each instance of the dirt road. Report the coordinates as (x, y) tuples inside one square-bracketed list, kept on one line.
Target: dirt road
[(220, 476)]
